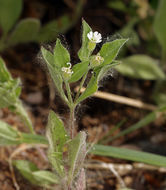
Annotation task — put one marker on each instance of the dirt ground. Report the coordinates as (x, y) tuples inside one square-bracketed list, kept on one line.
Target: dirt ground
[(96, 116)]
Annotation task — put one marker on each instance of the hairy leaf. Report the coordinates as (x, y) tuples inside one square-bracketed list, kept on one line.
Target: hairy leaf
[(54, 71), (57, 138), (31, 172), (141, 67), (90, 89), (110, 50), (45, 177), (77, 153), (78, 71), (9, 93), (61, 55), (4, 73), (84, 52)]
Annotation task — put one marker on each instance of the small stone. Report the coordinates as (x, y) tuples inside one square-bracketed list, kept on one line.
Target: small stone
[(34, 98)]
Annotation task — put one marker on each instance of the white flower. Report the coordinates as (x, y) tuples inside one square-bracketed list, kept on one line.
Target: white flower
[(67, 70), (94, 37)]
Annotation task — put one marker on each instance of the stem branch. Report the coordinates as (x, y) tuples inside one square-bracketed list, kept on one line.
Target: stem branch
[(81, 85)]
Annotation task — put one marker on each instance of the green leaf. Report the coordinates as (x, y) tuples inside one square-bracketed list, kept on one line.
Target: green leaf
[(78, 71), (98, 74), (45, 177), (9, 93), (90, 89), (84, 52), (7, 97), (128, 154), (10, 11), (50, 31), (110, 50), (25, 31), (9, 87), (77, 153), (160, 24), (4, 73), (54, 71), (33, 139), (102, 71), (30, 171), (26, 168), (8, 136), (141, 67), (48, 56), (57, 138), (61, 55)]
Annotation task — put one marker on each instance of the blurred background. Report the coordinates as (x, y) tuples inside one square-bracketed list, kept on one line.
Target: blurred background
[(26, 25)]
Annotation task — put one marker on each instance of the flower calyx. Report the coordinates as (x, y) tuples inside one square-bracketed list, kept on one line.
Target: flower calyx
[(67, 72), (96, 60)]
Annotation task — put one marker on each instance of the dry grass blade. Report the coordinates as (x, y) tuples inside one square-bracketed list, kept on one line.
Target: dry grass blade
[(122, 100)]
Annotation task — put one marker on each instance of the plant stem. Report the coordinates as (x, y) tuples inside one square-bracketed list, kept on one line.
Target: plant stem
[(81, 85), (24, 116), (71, 121), (69, 93), (72, 110)]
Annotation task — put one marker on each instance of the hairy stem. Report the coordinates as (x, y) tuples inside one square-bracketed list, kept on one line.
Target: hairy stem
[(81, 85), (72, 110), (71, 121), (69, 93)]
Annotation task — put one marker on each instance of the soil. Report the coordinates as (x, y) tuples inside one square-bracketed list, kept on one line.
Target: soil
[(96, 116)]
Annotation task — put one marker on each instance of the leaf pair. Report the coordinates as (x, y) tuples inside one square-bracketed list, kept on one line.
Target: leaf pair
[(66, 155), (34, 175)]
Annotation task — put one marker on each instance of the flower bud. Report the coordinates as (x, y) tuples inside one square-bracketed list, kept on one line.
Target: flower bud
[(96, 60)]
